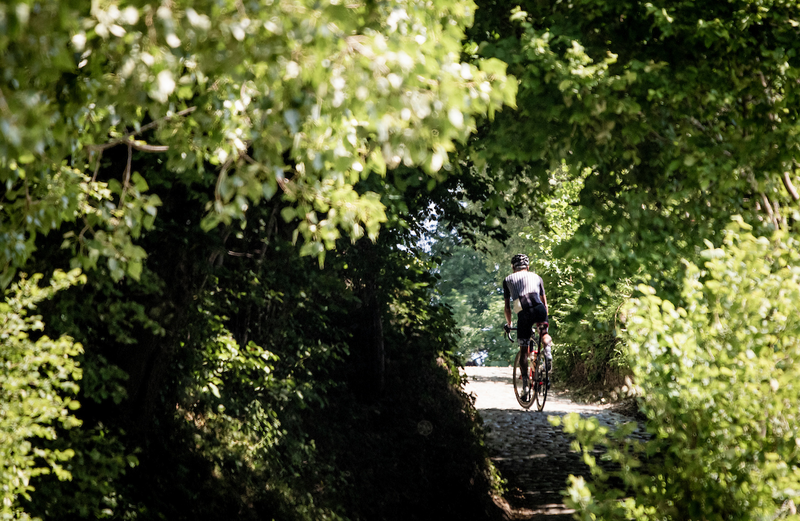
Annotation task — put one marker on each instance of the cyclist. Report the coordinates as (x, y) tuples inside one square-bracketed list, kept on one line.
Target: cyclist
[(525, 289)]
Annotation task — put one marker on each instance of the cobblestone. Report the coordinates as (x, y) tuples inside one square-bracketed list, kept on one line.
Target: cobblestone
[(533, 456)]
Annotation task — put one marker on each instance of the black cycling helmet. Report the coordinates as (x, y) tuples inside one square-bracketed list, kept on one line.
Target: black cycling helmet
[(519, 261)]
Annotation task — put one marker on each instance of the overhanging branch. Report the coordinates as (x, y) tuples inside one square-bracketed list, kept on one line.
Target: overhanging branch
[(126, 139), (787, 182)]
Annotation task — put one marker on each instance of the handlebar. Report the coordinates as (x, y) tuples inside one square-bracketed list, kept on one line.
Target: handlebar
[(507, 331)]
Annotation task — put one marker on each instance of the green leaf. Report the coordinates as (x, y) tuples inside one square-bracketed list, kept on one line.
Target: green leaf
[(135, 269), (139, 182)]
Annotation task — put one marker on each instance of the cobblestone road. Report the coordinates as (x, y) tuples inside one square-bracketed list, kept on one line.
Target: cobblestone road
[(532, 455)]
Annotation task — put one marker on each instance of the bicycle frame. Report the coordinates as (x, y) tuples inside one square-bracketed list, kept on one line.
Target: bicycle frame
[(536, 378)]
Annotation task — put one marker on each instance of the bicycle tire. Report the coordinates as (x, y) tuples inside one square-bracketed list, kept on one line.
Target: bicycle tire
[(524, 400), (542, 380)]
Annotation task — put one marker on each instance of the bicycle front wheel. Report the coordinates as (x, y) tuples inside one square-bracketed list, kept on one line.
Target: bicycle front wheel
[(523, 386), (541, 381)]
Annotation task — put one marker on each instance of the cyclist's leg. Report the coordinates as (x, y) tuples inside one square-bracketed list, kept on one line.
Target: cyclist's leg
[(524, 333), (548, 351), (523, 361), (547, 342)]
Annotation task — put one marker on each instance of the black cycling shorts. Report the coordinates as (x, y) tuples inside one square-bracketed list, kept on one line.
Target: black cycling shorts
[(527, 318)]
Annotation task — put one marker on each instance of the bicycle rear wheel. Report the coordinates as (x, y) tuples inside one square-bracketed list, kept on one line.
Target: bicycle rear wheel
[(525, 395), (541, 381)]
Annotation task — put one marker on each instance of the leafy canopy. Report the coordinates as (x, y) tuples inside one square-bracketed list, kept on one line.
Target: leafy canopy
[(686, 112), (294, 97)]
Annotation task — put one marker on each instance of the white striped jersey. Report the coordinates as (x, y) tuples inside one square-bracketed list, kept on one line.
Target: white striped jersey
[(522, 282)]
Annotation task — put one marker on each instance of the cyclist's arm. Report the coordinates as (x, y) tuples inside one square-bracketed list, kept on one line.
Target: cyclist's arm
[(507, 307)]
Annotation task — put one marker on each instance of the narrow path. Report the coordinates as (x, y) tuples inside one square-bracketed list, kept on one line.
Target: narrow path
[(532, 455)]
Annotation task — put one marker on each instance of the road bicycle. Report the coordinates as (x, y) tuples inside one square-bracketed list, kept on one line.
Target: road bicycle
[(538, 379)]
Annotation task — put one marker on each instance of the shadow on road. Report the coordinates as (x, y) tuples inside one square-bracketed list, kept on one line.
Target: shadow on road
[(535, 458)]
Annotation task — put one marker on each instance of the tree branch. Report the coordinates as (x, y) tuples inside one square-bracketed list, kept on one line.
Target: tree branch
[(659, 137), (146, 148), (222, 173), (97, 165), (694, 121), (768, 208), (3, 105), (126, 176), (248, 255), (787, 182), (281, 182), (778, 216)]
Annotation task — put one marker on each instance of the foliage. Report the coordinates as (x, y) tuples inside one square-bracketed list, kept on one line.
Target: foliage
[(239, 396), (719, 378), (241, 407), (39, 384), (282, 429), (587, 347), (684, 113), (467, 284), (290, 97), (188, 156), (682, 110)]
